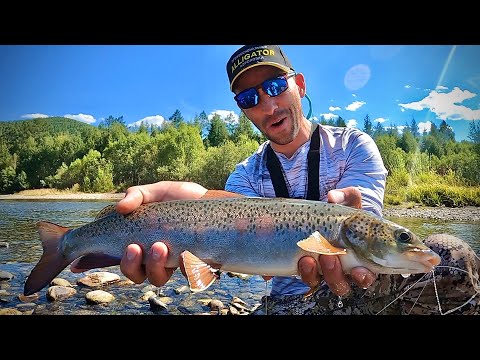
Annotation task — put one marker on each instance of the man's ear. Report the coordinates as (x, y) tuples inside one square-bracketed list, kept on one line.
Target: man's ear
[(302, 86)]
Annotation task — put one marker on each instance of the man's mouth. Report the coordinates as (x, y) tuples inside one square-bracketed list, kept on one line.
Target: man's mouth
[(277, 123)]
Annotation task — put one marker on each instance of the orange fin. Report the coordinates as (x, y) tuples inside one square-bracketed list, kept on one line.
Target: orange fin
[(52, 261), (318, 244), (200, 275), (219, 194)]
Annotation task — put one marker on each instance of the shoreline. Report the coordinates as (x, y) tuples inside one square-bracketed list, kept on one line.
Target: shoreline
[(467, 213), (72, 196)]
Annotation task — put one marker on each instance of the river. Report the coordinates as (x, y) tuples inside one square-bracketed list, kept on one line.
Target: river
[(17, 229)]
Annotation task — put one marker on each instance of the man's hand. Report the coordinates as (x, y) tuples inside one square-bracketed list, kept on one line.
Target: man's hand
[(154, 269), (330, 264)]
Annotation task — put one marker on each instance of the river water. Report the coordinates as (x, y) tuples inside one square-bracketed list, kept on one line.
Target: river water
[(17, 228)]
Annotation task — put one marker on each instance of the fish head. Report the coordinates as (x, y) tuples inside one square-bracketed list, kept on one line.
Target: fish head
[(387, 247)]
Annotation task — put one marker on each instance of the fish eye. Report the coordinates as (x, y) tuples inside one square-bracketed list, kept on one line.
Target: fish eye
[(404, 237)]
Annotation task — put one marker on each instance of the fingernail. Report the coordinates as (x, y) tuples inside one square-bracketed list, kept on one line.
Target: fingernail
[(131, 254), (338, 196), (306, 268), (155, 255), (329, 262)]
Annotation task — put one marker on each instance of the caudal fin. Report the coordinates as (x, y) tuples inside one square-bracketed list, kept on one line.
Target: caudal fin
[(52, 261)]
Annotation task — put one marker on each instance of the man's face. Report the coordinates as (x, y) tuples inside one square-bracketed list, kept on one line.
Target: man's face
[(278, 117)]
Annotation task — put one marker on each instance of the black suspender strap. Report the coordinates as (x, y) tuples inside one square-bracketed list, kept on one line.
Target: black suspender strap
[(275, 169), (313, 157)]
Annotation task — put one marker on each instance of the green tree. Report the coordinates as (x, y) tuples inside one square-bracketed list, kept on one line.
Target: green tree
[(176, 118), (244, 127), (367, 125), (218, 132)]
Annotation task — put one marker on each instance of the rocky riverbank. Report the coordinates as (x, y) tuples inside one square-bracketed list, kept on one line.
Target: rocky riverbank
[(467, 213)]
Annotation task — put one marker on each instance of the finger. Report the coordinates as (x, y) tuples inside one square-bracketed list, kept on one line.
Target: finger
[(307, 267), (131, 264), (157, 274), (333, 274), (349, 196), (133, 199), (362, 277)]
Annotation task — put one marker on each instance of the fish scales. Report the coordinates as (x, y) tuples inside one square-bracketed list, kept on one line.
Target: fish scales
[(258, 236), (203, 226)]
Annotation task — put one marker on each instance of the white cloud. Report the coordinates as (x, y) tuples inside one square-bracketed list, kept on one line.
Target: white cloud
[(354, 95), (407, 86), (440, 87), (380, 120), (329, 116), (444, 105), (402, 110), (157, 120), (224, 114), (424, 126), (34, 116), (89, 119), (355, 105), (334, 108), (351, 123)]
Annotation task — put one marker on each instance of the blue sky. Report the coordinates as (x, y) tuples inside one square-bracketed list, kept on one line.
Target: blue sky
[(390, 83)]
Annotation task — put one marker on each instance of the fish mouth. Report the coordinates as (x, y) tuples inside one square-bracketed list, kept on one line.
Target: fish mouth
[(427, 258)]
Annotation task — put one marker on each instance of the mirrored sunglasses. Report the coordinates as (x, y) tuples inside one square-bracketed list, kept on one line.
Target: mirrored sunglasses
[(273, 87)]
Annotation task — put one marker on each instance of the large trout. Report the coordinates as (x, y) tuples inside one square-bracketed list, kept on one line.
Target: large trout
[(257, 236)]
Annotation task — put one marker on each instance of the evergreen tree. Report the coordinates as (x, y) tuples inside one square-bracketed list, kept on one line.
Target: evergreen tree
[(176, 118), (367, 125)]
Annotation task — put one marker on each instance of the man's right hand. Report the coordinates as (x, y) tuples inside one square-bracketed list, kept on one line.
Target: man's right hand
[(131, 263)]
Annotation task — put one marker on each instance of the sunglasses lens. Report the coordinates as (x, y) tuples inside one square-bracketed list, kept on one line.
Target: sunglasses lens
[(275, 87), (247, 99)]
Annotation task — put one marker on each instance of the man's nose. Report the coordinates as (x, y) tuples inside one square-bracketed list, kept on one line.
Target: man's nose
[(267, 104)]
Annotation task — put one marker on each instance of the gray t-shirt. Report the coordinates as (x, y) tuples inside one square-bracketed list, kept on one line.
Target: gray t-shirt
[(348, 157)]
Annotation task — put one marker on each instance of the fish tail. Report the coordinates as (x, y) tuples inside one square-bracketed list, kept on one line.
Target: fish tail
[(52, 261)]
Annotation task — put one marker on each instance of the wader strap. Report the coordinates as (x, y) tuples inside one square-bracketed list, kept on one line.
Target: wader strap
[(278, 180)]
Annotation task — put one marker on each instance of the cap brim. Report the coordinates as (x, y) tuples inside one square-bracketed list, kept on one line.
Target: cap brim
[(281, 67)]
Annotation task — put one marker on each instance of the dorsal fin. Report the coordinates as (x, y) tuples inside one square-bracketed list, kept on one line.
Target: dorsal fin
[(318, 244), (107, 210)]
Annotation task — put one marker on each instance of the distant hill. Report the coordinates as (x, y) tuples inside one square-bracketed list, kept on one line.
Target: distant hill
[(19, 130)]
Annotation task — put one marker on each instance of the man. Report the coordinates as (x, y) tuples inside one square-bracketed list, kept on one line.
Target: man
[(300, 160)]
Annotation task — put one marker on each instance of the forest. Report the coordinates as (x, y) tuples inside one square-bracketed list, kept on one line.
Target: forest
[(432, 168)]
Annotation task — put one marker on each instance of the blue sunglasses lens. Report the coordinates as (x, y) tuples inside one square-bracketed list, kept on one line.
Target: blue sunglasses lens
[(273, 87)]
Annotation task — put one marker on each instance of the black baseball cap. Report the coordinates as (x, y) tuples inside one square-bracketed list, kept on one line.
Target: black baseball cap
[(249, 56)]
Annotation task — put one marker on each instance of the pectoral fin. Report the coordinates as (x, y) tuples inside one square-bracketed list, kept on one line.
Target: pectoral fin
[(200, 275), (318, 244)]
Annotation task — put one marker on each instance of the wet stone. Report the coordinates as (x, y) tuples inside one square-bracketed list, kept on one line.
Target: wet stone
[(10, 311), (3, 244), (149, 288), (216, 305), (99, 297), (147, 295), (60, 292), (5, 275), (182, 289), (233, 310), (60, 282), (99, 278)]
